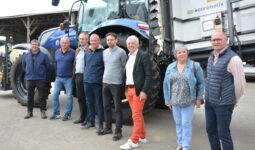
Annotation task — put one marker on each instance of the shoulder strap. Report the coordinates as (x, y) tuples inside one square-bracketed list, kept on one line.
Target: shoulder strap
[(194, 69)]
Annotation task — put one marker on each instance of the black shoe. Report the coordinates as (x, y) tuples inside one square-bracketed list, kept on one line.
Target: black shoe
[(117, 136), (84, 123), (100, 129), (105, 131), (43, 115), (78, 121), (29, 115), (87, 126)]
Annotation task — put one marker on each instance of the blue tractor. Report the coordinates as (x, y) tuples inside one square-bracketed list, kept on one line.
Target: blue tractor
[(124, 17)]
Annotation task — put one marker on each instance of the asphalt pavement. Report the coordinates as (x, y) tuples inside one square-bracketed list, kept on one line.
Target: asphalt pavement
[(17, 133)]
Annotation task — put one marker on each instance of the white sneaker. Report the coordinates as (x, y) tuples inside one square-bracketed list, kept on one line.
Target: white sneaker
[(129, 145), (144, 140)]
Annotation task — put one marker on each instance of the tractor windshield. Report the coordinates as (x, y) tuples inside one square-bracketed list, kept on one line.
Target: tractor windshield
[(137, 9), (95, 12)]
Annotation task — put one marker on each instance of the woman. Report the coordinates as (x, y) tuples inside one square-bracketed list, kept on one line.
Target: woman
[(183, 89)]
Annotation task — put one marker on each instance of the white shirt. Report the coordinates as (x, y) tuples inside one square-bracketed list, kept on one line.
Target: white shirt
[(130, 68), (79, 66)]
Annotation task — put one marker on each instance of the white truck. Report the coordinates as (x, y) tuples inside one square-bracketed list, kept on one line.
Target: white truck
[(191, 23)]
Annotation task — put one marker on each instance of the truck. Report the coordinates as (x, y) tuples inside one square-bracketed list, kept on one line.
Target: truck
[(160, 25)]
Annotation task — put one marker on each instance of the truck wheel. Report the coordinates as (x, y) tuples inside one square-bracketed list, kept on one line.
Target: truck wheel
[(18, 83), (155, 88)]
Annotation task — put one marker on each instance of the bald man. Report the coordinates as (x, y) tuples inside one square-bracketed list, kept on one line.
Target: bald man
[(93, 77), (224, 87), (64, 58)]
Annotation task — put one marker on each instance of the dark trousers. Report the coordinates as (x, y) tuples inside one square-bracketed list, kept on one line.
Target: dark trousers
[(94, 95), (218, 119), (41, 87), (81, 96), (112, 93)]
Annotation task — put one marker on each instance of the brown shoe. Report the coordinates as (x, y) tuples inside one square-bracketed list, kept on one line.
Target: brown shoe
[(179, 148)]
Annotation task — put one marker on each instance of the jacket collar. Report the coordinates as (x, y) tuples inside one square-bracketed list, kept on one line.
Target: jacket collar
[(134, 54), (34, 54)]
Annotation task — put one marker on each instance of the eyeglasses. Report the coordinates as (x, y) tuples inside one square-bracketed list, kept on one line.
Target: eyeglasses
[(216, 40)]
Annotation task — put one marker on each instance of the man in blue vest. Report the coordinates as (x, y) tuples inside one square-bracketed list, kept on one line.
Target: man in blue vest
[(36, 64), (224, 86)]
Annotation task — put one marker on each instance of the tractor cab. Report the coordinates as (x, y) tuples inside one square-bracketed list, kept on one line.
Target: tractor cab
[(92, 16)]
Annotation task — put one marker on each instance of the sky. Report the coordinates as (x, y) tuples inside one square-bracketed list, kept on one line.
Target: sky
[(24, 7)]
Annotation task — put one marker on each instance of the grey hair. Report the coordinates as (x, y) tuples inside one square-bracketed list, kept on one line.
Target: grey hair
[(180, 48), (63, 38), (85, 34), (34, 41), (133, 37)]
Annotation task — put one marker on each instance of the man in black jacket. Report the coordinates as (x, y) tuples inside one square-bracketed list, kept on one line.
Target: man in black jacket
[(36, 64), (138, 79)]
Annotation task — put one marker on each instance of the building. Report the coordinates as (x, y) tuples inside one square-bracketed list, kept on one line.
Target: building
[(24, 22)]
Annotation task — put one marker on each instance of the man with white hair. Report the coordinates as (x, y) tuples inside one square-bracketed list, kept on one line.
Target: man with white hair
[(138, 80)]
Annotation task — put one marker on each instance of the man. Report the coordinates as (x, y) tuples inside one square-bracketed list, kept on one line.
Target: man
[(224, 87), (64, 58), (114, 63), (78, 74), (138, 79), (93, 75), (36, 64)]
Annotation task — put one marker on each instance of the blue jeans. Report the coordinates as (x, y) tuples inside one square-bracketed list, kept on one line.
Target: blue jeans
[(218, 119), (67, 83), (183, 117), (94, 95)]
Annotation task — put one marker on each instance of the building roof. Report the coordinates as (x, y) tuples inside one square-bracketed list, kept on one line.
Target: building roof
[(42, 15), (23, 8)]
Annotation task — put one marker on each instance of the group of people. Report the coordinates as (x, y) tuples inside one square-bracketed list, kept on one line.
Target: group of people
[(101, 76), (184, 89)]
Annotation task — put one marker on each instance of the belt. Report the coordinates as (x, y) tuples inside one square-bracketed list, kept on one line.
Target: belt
[(79, 74), (130, 86)]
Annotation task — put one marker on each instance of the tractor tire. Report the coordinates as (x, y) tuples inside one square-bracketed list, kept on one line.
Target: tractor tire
[(18, 84), (155, 85)]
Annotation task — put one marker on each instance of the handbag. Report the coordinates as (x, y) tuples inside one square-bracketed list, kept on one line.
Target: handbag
[(197, 86)]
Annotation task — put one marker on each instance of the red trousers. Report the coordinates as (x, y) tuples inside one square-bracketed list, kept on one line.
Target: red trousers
[(136, 106)]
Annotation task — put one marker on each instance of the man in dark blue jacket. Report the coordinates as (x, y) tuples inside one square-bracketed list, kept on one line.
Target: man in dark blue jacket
[(93, 76), (36, 65)]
